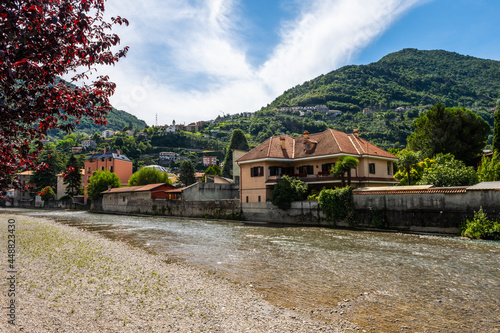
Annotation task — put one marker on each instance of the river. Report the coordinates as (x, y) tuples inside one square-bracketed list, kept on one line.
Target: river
[(383, 282)]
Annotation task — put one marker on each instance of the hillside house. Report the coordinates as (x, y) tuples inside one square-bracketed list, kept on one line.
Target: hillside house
[(110, 160), (310, 158), (209, 160)]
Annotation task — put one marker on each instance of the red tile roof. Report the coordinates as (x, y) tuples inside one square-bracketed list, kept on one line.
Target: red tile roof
[(142, 188), (329, 142)]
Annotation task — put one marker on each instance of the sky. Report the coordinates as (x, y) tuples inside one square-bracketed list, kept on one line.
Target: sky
[(192, 60)]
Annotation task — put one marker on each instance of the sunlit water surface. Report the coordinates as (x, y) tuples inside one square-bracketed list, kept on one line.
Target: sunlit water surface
[(384, 282)]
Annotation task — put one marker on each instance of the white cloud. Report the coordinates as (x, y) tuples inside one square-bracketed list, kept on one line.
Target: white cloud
[(187, 61)]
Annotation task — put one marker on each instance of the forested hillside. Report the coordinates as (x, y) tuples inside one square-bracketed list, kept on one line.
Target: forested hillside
[(406, 78), (117, 120), (382, 99)]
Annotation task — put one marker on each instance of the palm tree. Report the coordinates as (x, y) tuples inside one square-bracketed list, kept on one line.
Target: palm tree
[(344, 165), (407, 159)]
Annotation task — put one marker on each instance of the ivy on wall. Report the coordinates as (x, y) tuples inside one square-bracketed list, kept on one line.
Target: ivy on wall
[(337, 204)]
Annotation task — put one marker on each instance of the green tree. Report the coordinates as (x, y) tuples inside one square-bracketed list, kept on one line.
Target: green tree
[(100, 182), (186, 173), (52, 164), (344, 165), (212, 170), (238, 141), (496, 131), (73, 177), (147, 176), (448, 171), (489, 170), (407, 159), (286, 191), (457, 131)]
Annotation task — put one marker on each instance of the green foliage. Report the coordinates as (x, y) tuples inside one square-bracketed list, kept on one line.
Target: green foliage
[(344, 165), (147, 176), (286, 191), (489, 170), (416, 171), (186, 173), (117, 120), (47, 193), (496, 131), (100, 181), (480, 227), (54, 162), (73, 177), (407, 159), (457, 131), (448, 171), (239, 142), (212, 170), (337, 204)]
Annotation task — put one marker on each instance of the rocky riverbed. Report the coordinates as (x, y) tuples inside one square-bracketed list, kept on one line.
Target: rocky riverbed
[(69, 280)]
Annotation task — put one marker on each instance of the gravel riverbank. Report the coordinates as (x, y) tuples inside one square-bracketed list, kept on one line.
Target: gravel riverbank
[(69, 280)]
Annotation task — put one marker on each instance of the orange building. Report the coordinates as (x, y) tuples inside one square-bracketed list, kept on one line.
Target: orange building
[(110, 160), (310, 158)]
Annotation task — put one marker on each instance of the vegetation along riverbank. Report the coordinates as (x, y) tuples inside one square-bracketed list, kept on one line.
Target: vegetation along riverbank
[(68, 280)]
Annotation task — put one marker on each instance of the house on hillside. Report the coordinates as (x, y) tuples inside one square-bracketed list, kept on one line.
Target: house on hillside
[(310, 158), (111, 160)]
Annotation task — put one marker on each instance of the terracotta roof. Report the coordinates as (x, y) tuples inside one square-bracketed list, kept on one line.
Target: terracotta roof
[(142, 188), (329, 142), (409, 190), (109, 154)]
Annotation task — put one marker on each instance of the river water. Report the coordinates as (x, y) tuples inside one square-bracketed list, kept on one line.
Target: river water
[(383, 282)]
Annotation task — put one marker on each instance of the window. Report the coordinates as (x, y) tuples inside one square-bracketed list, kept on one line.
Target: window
[(247, 198), (257, 171), (327, 167), (306, 169), (111, 168), (389, 168), (259, 198), (102, 168), (275, 170), (371, 168)]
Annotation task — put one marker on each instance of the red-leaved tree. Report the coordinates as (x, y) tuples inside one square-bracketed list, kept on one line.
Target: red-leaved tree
[(41, 41)]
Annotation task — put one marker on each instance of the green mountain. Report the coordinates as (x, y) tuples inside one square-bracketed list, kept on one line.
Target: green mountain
[(406, 78), (117, 120), (381, 99)]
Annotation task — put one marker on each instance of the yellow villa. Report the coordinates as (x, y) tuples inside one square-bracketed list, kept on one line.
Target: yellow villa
[(311, 157)]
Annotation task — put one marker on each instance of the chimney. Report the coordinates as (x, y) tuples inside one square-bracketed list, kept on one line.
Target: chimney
[(306, 134), (356, 132), (104, 150), (283, 142)]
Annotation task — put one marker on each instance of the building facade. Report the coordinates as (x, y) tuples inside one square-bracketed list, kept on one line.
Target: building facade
[(110, 160), (310, 158)]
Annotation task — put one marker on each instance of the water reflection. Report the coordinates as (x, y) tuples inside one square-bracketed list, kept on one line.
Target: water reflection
[(380, 281)]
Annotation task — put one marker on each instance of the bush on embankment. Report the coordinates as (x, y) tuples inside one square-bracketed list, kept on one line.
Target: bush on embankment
[(480, 227)]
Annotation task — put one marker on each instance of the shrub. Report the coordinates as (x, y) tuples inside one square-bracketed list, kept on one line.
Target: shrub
[(480, 227), (287, 190), (47, 193), (337, 204)]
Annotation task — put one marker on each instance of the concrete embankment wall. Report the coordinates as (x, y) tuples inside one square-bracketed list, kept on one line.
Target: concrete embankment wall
[(415, 212), (205, 208)]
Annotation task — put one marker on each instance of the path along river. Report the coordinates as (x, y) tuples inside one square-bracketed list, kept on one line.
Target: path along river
[(383, 282)]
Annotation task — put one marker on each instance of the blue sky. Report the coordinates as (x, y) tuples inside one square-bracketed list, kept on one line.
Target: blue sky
[(193, 60)]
